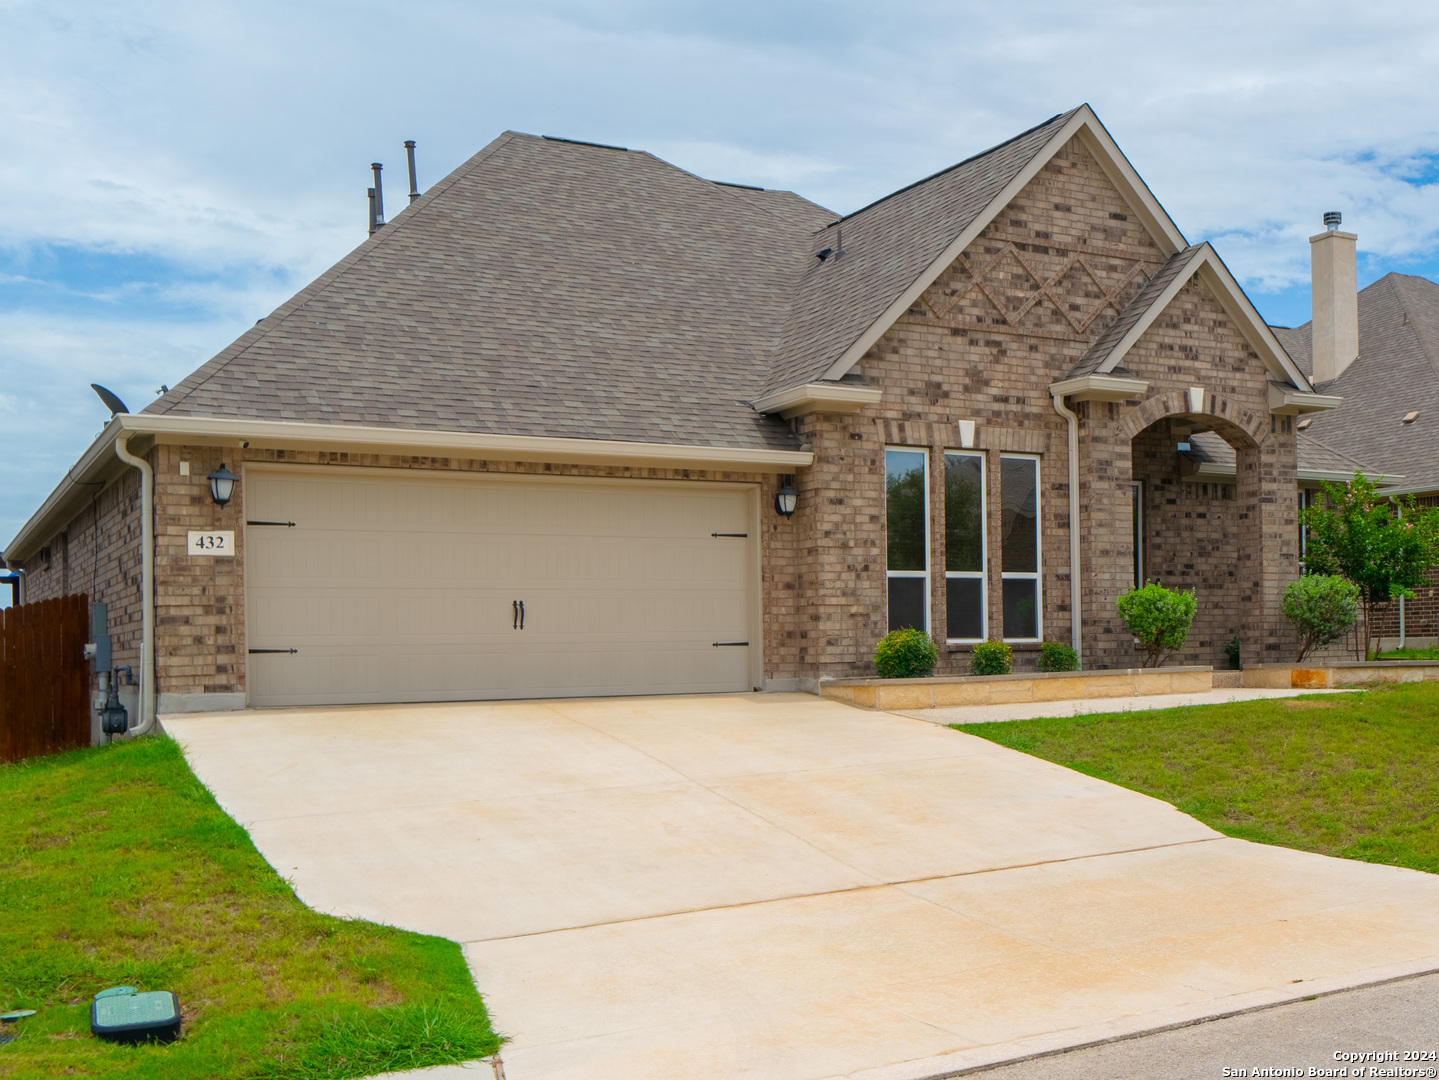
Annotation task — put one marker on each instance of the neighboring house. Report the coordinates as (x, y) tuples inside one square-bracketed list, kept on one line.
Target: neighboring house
[(527, 440), (1385, 367)]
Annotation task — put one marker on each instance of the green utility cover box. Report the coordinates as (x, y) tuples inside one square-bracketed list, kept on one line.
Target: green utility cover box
[(120, 1014)]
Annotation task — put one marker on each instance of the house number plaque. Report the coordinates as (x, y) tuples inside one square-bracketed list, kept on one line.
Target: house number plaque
[(211, 543)]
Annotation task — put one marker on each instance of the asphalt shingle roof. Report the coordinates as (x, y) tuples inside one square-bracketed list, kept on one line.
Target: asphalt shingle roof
[(555, 288), (1397, 372), (1209, 446)]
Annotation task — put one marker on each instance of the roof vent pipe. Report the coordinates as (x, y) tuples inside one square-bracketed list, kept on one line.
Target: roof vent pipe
[(1332, 218), (379, 218), (370, 225), (410, 158)]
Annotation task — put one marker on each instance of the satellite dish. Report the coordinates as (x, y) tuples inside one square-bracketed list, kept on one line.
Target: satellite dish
[(114, 404)]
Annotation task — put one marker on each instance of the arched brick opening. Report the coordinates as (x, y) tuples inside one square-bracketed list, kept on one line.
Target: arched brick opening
[(1195, 530), (1238, 557)]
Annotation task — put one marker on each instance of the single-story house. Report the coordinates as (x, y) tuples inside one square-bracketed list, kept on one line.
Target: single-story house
[(577, 421)]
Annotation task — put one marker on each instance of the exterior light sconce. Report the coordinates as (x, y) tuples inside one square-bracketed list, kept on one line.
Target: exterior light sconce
[(222, 485), (786, 498)]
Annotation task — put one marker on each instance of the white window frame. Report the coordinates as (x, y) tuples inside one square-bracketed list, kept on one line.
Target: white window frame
[(1037, 575), (983, 572), (1137, 501), (923, 452)]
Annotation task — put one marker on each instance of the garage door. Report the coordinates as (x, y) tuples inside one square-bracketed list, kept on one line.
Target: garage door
[(422, 588)]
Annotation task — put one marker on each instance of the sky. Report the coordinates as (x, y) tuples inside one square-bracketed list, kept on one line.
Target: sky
[(171, 172)]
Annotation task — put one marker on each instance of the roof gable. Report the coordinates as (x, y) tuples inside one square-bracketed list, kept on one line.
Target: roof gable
[(894, 249), (1109, 351)]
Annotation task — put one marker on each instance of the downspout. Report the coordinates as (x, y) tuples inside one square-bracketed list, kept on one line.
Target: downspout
[(147, 584), (1075, 622)]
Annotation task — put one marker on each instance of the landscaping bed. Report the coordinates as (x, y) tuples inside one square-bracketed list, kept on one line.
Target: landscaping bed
[(120, 869), (1352, 775)]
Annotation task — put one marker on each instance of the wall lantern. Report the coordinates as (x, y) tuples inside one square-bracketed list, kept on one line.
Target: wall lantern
[(222, 485), (786, 499)]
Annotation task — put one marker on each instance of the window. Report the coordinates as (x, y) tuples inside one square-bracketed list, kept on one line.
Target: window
[(1137, 497), (1019, 553), (964, 567), (906, 505)]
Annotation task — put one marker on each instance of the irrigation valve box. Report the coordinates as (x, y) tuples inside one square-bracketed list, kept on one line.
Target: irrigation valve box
[(121, 1014)]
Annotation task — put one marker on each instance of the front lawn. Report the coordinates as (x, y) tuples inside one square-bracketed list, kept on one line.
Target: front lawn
[(1430, 653), (1354, 775), (120, 869)]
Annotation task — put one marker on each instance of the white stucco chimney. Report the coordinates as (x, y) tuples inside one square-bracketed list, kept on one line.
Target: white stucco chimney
[(1335, 299)]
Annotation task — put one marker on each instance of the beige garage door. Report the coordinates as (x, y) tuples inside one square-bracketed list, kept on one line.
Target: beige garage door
[(424, 588)]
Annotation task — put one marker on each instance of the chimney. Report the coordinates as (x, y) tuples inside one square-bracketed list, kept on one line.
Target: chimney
[(1335, 299)]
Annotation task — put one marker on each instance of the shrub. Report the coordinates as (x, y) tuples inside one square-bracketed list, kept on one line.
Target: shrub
[(905, 654), (1057, 656), (1159, 619), (990, 658), (1322, 608)]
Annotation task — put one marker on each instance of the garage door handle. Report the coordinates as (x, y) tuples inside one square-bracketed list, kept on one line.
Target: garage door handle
[(522, 614), (727, 644), (515, 613)]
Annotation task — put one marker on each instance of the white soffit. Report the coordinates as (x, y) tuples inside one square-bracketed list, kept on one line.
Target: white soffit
[(1099, 388), (1116, 166), (819, 397)]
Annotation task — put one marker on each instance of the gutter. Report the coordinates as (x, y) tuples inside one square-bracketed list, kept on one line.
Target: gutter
[(147, 584), (287, 435), (1075, 620)]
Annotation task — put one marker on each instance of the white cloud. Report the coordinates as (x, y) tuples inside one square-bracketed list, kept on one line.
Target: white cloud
[(227, 145)]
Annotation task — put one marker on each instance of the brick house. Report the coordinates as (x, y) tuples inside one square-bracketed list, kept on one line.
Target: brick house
[(528, 438)]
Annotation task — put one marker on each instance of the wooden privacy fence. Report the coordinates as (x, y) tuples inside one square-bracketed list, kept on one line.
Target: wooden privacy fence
[(44, 678)]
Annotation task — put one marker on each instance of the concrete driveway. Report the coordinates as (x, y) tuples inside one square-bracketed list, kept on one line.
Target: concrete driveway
[(781, 886)]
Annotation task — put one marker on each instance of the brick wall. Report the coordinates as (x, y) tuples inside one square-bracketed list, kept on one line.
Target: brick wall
[(98, 554)]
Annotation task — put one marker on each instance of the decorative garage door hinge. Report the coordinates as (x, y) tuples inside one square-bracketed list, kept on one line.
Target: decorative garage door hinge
[(280, 524), (290, 652), (727, 644)]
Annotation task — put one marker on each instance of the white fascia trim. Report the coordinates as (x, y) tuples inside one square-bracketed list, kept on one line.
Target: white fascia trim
[(1210, 267), (819, 397), (276, 434), (1134, 191), (1287, 401), (1213, 470), (1100, 388)]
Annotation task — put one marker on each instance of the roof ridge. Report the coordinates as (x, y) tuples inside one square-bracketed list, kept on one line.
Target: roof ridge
[(367, 247), (959, 164)]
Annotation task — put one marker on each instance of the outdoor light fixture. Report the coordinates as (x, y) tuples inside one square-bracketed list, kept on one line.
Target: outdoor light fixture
[(222, 485), (785, 499)]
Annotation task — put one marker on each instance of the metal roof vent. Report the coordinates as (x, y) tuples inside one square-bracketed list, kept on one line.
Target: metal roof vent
[(1304, 423), (1332, 218), (1410, 417)]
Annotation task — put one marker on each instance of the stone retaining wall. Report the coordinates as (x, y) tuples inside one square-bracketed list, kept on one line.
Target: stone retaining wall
[(947, 691), (1330, 676)]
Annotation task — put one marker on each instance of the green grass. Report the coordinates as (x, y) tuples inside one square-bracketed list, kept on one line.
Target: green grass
[(1431, 653), (120, 869), (1353, 775)]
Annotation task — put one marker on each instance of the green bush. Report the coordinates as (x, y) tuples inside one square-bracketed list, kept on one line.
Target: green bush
[(1159, 619), (1232, 651), (990, 658), (1322, 609), (905, 654), (1057, 656)]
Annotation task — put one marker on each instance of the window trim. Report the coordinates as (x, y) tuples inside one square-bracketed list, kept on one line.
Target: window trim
[(1037, 574), (983, 572), (1137, 497), (924, 575)]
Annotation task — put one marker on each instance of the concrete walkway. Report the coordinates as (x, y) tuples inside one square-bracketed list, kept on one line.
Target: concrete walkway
[(1030, 710), (777, 886)]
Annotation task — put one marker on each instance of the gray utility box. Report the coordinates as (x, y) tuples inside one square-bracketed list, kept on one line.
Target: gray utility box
[(121, 1014)]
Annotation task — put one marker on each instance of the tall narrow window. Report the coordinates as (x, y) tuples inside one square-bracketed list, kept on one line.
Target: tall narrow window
[(964, 567), (1136, 488), (1019, 555), (906, 504)]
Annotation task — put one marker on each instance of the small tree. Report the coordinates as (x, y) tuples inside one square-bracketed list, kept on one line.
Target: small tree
[(1322, 608), (1159, 619), (1383, 544)]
